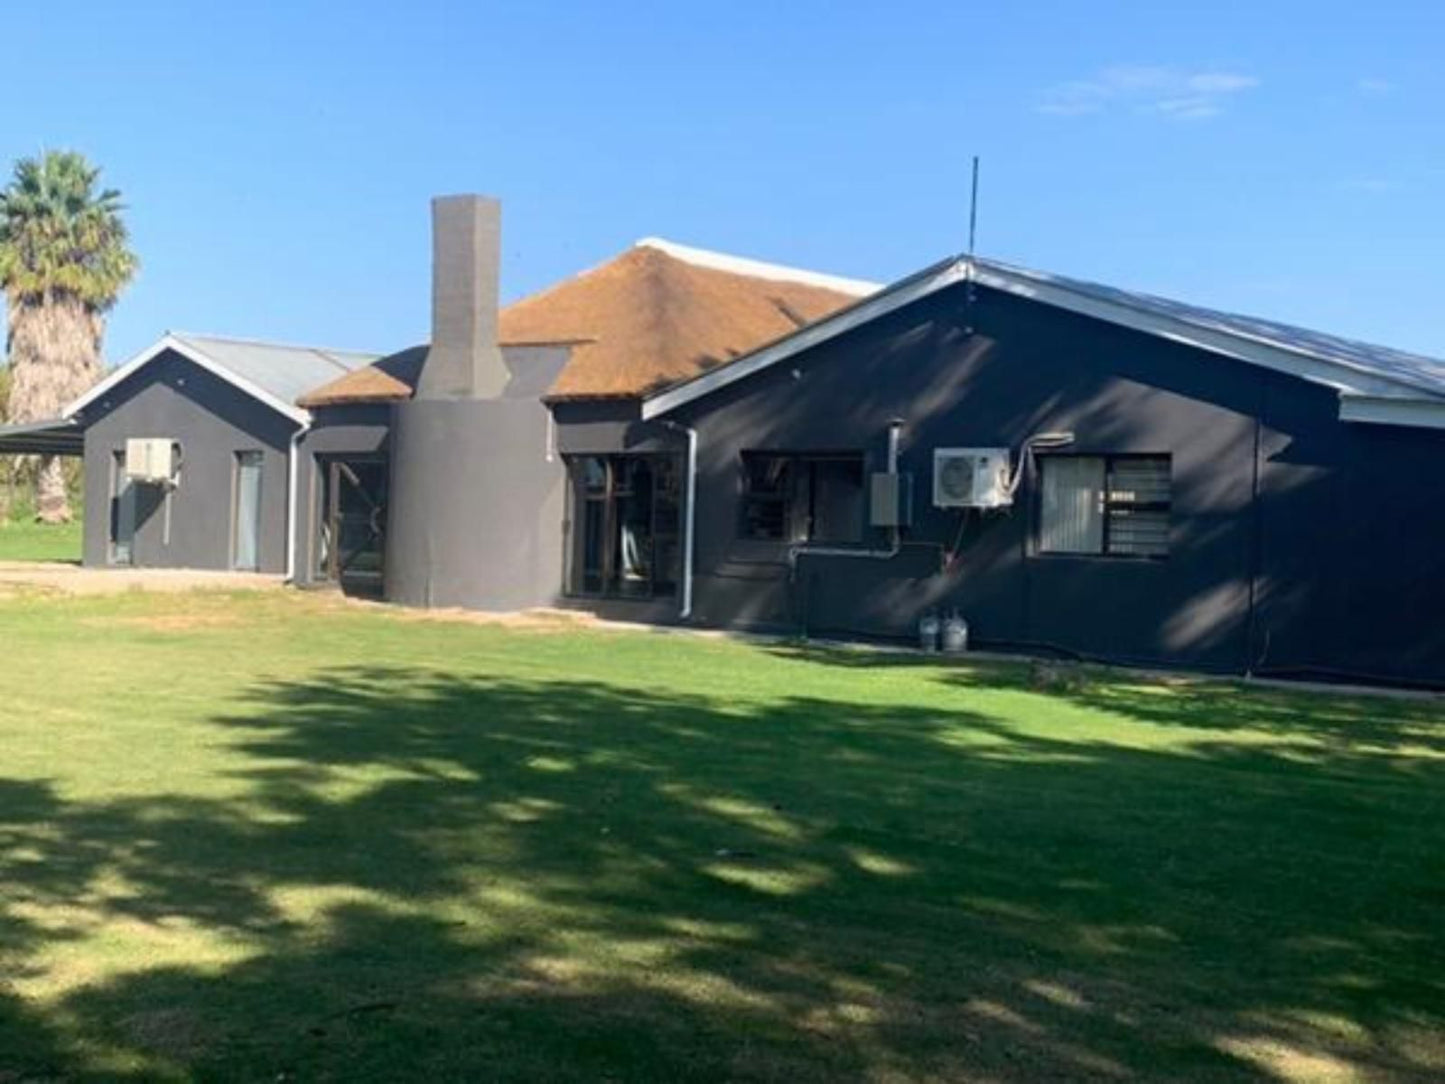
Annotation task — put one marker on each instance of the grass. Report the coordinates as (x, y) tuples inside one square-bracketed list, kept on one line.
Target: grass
[(278, 838), (26, 540)]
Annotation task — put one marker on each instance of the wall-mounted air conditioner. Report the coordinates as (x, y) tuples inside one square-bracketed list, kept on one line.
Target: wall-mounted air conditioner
[(150, 459), (971, 478)]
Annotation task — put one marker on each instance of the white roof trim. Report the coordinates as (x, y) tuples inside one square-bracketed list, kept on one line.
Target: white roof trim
[(1419, 413), (830, 327), (1353, 382), (193, 354), (741, 265)]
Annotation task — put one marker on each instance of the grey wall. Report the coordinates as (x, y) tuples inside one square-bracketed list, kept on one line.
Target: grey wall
[(356, 430), (173, 397), (476, 505), (1334, 568)]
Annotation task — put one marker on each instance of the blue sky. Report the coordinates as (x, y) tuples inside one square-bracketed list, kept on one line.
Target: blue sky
[(1282, 159)]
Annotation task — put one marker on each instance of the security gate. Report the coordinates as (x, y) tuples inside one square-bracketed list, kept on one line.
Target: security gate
[(352, 550)]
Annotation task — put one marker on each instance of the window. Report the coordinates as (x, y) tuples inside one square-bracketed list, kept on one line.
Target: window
[(626, 518), (1114, 505), (246, 515), (802, 498)]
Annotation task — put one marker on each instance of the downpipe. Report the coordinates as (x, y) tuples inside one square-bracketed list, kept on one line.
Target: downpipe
[(689, 516), (293, 473)]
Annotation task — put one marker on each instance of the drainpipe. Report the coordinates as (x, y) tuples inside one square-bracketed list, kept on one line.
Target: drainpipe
[(292, 499), (689, 516)]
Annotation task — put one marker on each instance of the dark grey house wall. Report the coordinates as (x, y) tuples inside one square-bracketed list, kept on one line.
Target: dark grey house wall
[(357, 430), (212, 420), (476, 505), (1333, 568)]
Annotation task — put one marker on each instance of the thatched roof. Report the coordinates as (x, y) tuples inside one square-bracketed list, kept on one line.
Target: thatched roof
[(655, 315)]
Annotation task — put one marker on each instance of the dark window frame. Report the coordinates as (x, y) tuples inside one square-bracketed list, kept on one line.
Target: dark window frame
[(1110, 506), (663, 531), (798, 462)]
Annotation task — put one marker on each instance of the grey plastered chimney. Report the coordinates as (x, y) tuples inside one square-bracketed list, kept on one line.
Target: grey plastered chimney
[(465, 361)]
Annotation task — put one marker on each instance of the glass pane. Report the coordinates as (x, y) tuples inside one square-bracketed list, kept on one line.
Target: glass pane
[(593, 475), (1140, 480), (247, 542), (837, 501), (634, 526), (1071, 519), (1138, 532), (767, 488)]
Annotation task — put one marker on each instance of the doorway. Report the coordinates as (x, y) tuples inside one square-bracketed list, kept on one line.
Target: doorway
[(351, 549), (121, 548)]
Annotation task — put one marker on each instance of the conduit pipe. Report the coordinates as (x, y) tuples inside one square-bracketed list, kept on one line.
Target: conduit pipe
[(293, 498), (689, 516)]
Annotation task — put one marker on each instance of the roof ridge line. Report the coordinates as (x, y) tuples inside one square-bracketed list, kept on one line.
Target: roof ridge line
[(241, 340), (744, 265)]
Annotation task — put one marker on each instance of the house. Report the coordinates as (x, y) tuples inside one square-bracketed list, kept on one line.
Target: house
[(680, 436)]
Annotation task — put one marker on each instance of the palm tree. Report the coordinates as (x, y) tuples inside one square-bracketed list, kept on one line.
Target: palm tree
[(63, 262)]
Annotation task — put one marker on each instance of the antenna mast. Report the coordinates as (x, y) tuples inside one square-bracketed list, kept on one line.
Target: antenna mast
[(973, 209)]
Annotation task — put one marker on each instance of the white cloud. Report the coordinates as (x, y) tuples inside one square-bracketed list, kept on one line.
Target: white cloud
[(1172, 93)]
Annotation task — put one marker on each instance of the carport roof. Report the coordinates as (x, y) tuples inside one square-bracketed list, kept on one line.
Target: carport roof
[(56, 436)]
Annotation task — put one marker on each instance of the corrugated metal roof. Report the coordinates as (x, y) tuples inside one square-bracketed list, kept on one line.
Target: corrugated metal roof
[(287, 372), (1424, 373), (56, 436)]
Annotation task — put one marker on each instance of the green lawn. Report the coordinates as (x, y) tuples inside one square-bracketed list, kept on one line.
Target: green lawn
[(277, 838), (23, 540)]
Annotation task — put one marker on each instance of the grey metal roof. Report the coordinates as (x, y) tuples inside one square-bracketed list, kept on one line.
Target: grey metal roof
[(57, 436), (1423, 373), (287, 372)]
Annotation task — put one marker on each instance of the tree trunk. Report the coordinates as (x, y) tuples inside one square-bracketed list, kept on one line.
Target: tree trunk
[(52, 503), (54, 347)]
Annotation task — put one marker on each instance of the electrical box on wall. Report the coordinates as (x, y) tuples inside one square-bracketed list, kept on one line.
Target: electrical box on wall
[(150, 459), (971, 478), (890, 500)]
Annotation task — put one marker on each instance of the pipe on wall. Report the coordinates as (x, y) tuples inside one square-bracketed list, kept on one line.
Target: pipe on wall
[(689, 516), (292, 498)]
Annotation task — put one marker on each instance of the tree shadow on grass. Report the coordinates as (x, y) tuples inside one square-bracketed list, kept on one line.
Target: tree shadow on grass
[(429, 877)]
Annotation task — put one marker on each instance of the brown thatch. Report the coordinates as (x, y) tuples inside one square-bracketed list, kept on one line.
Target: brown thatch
[(649, 318)]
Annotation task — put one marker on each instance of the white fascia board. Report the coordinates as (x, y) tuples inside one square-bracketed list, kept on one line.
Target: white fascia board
[(1378, 410), (880, 304), (1235, 344), (190, 353), (759, 269)]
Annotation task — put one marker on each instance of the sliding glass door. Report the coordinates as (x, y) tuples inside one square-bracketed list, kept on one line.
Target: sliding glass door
[(625, 521)]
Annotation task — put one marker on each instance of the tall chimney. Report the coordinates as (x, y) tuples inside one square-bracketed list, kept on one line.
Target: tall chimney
[(464, 361)]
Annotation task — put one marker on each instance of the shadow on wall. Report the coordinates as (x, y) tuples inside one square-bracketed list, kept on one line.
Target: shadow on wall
[(432, 878)]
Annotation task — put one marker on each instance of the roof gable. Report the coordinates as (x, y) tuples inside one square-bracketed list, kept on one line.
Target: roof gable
[(1358, 371), (272, 373)]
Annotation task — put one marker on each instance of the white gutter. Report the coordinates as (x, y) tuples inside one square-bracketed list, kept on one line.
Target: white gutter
[(1419, 413), (689, 516), (292, 498)]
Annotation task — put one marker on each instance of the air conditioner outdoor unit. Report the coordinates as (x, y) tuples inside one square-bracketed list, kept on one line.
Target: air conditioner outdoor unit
[(971, 478), (150, 459)]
